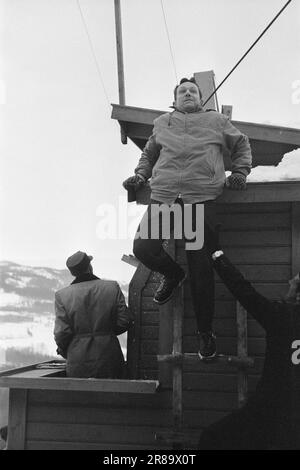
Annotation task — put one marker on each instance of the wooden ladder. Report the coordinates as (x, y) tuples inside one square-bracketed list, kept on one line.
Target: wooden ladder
[(176, 437)]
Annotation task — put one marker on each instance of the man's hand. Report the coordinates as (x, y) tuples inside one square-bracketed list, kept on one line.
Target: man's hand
[(236, 181), (134, 181)]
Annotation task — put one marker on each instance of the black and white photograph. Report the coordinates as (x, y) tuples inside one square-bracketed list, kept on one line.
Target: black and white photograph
[(150, 227)]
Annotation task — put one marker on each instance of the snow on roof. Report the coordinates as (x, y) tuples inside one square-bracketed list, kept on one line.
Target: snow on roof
[(287, 169)]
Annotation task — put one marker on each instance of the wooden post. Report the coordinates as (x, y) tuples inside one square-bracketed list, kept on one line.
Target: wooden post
[(119, 42), (227, 110), (17, 419), (166, 330), (136, 286), (242, 351), (177, 368)]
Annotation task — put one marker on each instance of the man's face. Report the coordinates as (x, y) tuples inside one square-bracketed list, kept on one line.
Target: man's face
[(188, 98), (293, 294)]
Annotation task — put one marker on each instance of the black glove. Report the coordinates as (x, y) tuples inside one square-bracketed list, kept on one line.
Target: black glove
[(134, 182), (236, 181)]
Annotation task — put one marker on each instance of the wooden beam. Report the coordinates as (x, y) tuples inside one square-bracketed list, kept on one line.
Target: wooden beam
[(192, 358), (255, 131), (17, 419), (242, 351), (206, 83), (79, 384), (8, 372), (119, 44), (227, 110), (280, 191), (295, 238), (130, 259)]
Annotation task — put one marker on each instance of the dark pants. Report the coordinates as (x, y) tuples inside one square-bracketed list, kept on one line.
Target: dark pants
[(151, 253)]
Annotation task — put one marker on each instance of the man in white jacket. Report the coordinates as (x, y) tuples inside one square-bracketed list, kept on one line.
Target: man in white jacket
[(184, 159)]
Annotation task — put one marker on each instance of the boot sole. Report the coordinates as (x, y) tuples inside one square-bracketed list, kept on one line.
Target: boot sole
[(170, 297), (207, 358)]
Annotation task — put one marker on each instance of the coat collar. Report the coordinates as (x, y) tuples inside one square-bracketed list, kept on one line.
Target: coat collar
[(84, 277)]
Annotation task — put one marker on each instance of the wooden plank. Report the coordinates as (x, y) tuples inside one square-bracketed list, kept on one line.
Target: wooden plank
[(242, 351), (70, 414), (222, 326), (17, 419), (272, 290), (295, 238), (269, 289), (256, 238), (53, 445), (210, 381), (193, 358), (123, 434), (266, 192), (227, 110), (252, 130), (149, 362), (252, 221), (130, 259), (161, 399), (253, 208), (135, 293), (251, 255), (68, 383), (226, 346), (264, 273), (23, 369), (217, 401), (35, 373), (206, 83)]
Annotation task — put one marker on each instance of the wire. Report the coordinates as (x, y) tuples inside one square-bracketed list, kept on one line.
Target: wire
[(93, 52), (246, 53), (170, 46)]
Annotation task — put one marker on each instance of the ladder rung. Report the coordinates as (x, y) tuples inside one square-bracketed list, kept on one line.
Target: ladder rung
[(192, 358)]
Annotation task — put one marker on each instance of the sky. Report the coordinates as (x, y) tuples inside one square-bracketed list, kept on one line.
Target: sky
[(62, 161)]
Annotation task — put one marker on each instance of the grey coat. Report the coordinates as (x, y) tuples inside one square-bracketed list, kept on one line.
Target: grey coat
[(89, 314)]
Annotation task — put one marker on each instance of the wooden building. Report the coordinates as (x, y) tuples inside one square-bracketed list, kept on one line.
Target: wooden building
[(261, 234)]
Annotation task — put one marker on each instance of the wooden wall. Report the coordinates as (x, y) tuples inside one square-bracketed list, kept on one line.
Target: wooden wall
[(258, 239), (58, 420)]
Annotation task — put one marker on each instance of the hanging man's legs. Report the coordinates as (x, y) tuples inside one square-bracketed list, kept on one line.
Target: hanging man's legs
[(202, 282), (148, 249)]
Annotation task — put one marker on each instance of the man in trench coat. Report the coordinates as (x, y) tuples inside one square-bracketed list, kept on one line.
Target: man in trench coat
[(89, 314)]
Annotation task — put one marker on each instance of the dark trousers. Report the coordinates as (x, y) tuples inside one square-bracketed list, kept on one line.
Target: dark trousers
[(151, 253)]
